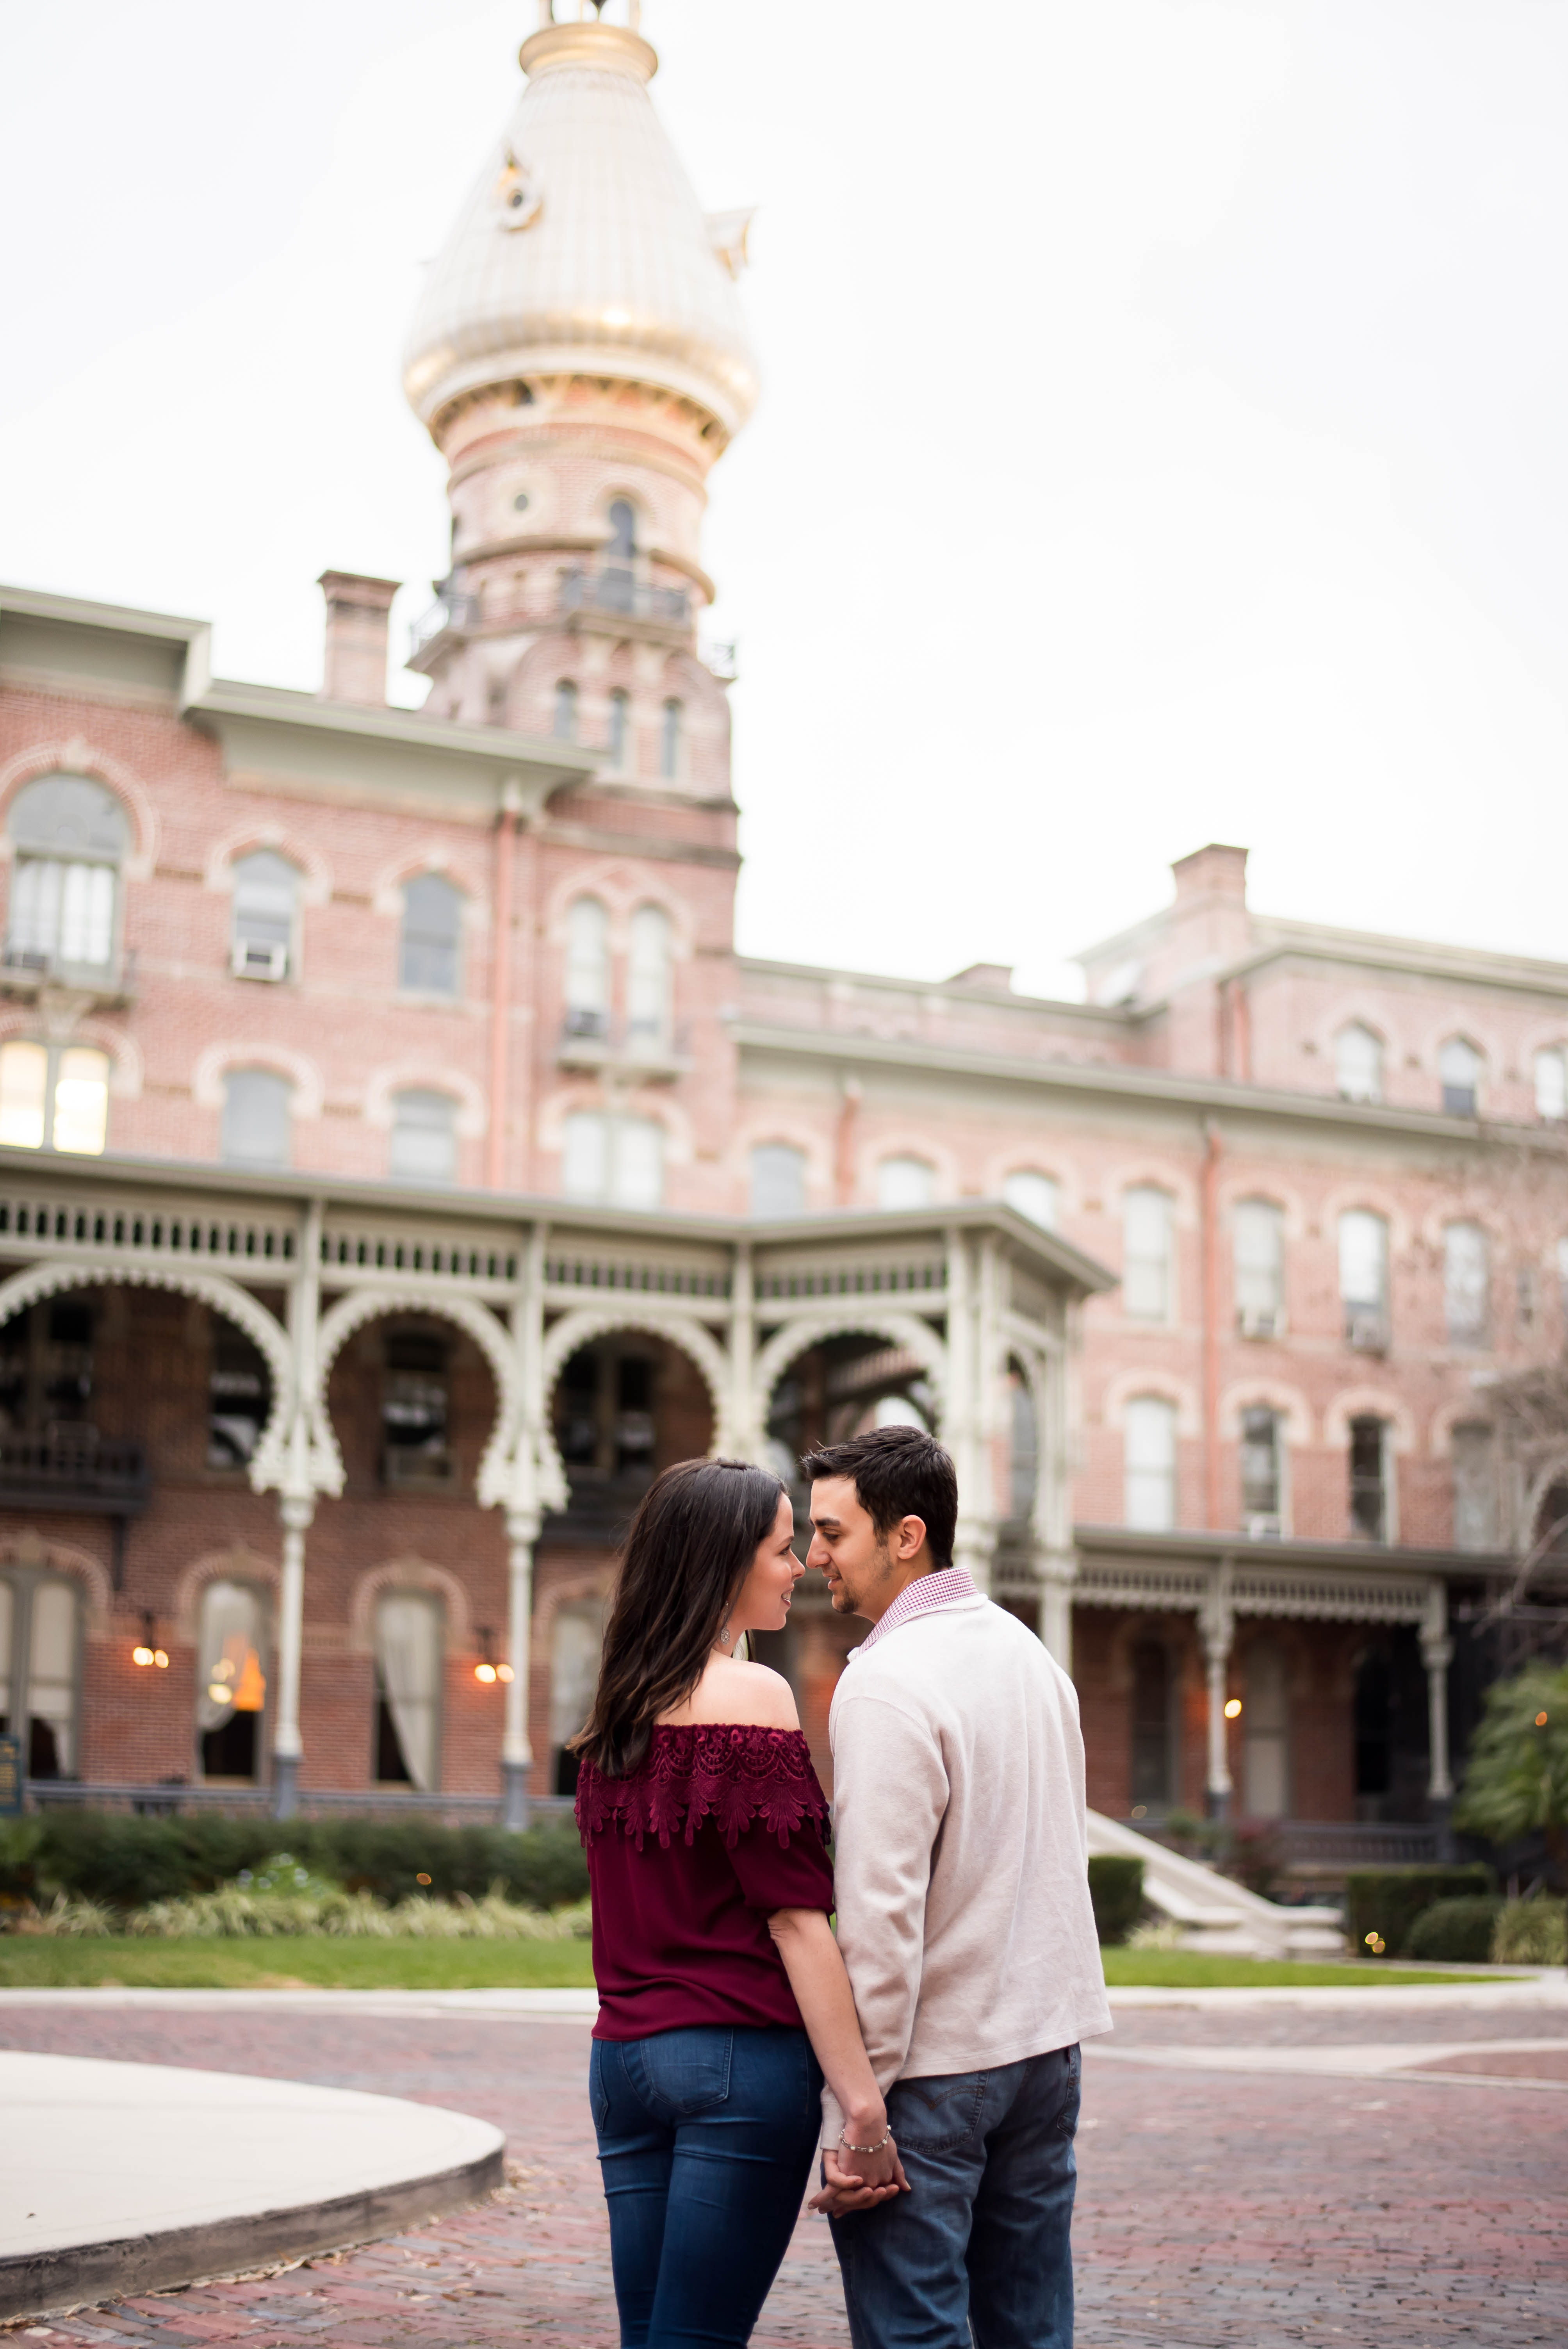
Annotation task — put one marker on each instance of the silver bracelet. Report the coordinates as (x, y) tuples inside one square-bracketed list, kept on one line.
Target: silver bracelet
[(885, 2138)]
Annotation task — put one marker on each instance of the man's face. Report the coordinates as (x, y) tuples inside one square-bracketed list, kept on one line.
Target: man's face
[(847, 1547)]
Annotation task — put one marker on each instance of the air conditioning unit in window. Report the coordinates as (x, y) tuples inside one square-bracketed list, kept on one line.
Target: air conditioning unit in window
[(1264, 1529), (1258, 1321), (252, 960), (1366, 1331)]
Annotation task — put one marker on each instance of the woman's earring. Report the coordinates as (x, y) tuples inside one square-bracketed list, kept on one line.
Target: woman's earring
[(724, 1632)]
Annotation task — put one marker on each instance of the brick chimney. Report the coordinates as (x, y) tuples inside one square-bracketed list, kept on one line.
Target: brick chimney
[(1215, 872), (356, 617)]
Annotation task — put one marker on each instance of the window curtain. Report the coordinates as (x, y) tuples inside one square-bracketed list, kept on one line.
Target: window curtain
[(52, 1677), (409, 1672), (229, 1664)]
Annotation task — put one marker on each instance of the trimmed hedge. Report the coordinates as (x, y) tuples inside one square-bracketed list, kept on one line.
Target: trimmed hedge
[(1458, 1930), (1116, 1889), (126, 1862), (1387, 1900)]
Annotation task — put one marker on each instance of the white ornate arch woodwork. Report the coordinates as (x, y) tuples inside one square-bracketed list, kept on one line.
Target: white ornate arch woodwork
[(352, 1313), (579, 1329), (211, 1288), (801, 1332)]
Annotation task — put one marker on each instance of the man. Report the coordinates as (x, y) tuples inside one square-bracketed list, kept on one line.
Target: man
[(964, 1916)]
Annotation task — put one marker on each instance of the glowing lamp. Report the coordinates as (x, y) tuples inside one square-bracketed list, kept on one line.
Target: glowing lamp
[(1233, 1708), (485, 1673), (504, 1672), (161, 1658), (141, 1655)]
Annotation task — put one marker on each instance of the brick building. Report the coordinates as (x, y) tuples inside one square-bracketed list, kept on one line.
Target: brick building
[(397, 1163)]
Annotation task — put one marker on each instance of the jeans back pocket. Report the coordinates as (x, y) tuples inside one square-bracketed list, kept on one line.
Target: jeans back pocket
[(932, 2115), (679, 2073)]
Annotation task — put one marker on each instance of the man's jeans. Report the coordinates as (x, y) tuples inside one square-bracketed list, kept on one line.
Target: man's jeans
[(979, 2249)]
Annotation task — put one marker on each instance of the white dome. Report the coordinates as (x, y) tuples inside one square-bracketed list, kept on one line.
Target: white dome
[(582, 247)]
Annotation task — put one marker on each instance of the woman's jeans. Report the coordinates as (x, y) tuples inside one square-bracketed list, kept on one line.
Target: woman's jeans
[(705, 2141)]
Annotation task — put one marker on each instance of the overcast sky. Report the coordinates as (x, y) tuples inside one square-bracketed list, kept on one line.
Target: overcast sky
[(1161, 437)]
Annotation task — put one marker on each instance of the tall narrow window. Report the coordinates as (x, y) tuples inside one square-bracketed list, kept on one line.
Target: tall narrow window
[(622, 519), (1359, 1064), (424, 1147), (648, 980), (587, 969), (777, 1179), (1262, 1464), (53, 1097), (1149, 1448), (1265, 1733), (1364, 1278), (1023, 1446), (1551, 1083), (51, 1690), (670, 741), (230, 1683), (620, 1160), (81, 1101), (905, 1182), (1034, 1194), (576, 1641), (256, 1112), (1473, 1456), (239, 1396), (408, 1726), (1258, 1230), (1151, 1726), (416, 1408), (1465, 1284), (428, 942), (266, 909), (1370, 1496), (620, 742), (1459, 1070), (565, 710), (69, 836), (1147, 1254)]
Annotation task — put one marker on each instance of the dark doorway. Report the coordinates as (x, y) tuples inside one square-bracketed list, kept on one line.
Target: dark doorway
[(1151, 1771)]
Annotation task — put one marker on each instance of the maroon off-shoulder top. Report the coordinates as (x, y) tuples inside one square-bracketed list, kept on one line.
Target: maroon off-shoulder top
[(688, 1858)]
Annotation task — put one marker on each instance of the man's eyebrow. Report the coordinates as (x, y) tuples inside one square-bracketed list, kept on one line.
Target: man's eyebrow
[(821, 1521)]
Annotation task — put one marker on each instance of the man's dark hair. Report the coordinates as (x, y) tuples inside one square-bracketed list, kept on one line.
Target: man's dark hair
[(899, 1472)]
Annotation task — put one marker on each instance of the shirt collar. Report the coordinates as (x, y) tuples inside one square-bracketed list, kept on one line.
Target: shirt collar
[(943, 1589)]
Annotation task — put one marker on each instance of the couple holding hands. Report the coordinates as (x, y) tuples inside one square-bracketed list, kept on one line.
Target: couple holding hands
[(928, 2055)]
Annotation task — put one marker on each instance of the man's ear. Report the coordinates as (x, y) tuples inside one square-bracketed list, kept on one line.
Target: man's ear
[(911, 1538)]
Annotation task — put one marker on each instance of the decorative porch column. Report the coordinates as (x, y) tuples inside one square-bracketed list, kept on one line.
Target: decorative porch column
[(1057, 1575), (1216, 1629), (296, 1510), (516, 1748), (974, 1540), (748, 1411), (1437, 1655)]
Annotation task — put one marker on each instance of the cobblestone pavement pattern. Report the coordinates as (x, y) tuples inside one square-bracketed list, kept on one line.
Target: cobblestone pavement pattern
[(1252, 2209)]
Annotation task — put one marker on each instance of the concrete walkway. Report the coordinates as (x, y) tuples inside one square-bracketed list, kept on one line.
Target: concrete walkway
[(118, 2177)]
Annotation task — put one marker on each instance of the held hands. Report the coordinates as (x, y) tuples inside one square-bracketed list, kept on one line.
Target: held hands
[(859, 2182)]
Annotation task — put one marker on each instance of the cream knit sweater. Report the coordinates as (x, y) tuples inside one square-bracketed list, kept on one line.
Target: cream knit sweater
[(960, 1848)]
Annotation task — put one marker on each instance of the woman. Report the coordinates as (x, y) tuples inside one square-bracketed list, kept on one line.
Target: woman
[(722, 1996)]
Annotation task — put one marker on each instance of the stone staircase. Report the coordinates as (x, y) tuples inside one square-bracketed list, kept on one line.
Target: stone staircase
[(1216, 1915)]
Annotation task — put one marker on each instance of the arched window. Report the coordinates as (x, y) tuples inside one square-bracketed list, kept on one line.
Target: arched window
[(1023, 1446), (1262, 1466), (1032, 1195), (424, 1147), (616, 1160), (39, 1642), (1458, 1070), (239, 1396), (416, 1408), (407, 1725), (565, 710), (53, 1097), (648, 980), (69, 836), (1359, 1064), (432, 927), (587, 969), (905, 1182), (777, 1179), (1371, 1480), (257, 1104), (1265, 1733), (623, 543), (1148, 1457), (1466, 1284), (620, 742), (230, 1683), (1472, 1449), (266, 909), (1153, 1724), (576, 1640), (1551, 1083), (670, 744), (1364, 1278), (1258, 1231), (1148, 1254)]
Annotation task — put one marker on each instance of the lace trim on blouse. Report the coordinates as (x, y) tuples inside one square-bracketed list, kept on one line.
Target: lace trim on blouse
[(723, 1771)]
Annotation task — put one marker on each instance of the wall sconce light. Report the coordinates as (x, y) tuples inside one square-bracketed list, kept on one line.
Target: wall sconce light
[(146, 1650), (486, 1669), (1233, 1708)]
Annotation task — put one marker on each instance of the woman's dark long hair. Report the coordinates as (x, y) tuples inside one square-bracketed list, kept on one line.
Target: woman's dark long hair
[(691, 1545)]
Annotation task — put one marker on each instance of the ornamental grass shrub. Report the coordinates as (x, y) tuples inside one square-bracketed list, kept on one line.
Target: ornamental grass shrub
[(1530, 1933), (284, 1897), (1457, 1932)]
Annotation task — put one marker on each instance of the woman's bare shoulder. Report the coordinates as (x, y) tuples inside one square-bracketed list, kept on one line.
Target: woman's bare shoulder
[(752, 1696)]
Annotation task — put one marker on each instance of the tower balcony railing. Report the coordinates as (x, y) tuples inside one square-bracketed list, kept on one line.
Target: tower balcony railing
[(592, 1039), (452, 610), (72, 1467), (618, 593)]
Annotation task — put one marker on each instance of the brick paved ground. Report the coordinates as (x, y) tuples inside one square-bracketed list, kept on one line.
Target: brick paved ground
[(1214, 2209)]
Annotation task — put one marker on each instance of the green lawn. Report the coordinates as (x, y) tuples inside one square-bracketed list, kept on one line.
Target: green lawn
[(319, 1961)]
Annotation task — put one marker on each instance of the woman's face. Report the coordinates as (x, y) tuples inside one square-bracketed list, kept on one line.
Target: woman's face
[(762, 1603)]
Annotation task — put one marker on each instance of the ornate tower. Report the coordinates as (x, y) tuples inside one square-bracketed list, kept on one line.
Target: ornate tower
[(580, 358)]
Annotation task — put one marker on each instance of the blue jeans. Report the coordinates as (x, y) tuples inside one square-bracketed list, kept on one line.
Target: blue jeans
[(978, 2250), (705, 2142)]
